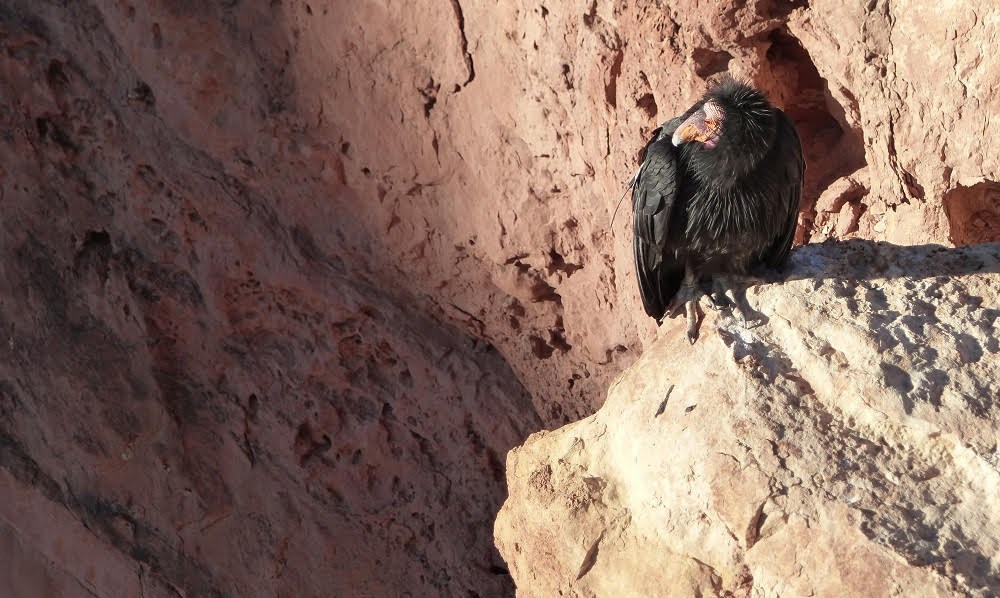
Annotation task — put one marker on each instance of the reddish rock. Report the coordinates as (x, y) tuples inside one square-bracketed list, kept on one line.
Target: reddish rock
[(207, 387), (334, 206), (493, 141)]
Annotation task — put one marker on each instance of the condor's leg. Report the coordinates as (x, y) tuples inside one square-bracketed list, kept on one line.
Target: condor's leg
[(729, 291), (687, 297)]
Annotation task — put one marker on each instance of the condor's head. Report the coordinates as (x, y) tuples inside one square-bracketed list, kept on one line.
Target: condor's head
[(729, 132)]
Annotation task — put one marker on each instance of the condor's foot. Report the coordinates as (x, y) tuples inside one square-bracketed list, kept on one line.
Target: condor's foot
[(729, 292), (687, 299)]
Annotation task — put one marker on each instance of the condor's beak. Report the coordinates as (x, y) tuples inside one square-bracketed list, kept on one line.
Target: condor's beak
[(698, 127)]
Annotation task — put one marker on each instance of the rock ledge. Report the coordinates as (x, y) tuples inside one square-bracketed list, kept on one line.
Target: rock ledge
[(848, 446)]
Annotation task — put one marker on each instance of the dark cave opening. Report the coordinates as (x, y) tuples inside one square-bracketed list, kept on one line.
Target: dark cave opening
[(832, 148)]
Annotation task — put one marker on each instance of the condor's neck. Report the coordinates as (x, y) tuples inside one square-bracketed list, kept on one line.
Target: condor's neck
[(734, 161), (721, 173), (725, 167)]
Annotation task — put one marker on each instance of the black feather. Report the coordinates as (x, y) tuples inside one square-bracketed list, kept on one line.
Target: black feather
[(719, 210)]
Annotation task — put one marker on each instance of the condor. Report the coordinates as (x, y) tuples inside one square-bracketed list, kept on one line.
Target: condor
[(716, 195)]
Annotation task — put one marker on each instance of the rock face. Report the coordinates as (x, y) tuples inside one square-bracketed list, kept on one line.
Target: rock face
[(280, 282), (198, 395), (498, 136), (846, 447)]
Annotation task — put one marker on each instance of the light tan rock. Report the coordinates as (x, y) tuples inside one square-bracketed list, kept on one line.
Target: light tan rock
[(846, 447), (914, 87)]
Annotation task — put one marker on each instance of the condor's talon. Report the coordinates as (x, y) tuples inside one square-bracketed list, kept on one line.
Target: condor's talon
[(678, 309), (673, 309), (718, 301), (686, 294), (691, 315), (726, 289), (687, 301)]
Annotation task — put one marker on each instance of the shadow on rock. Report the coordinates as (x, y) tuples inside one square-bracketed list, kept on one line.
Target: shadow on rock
[(861, 259)]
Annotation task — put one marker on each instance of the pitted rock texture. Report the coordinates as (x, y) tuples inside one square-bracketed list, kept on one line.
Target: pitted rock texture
[(198, 395), (846, 447)]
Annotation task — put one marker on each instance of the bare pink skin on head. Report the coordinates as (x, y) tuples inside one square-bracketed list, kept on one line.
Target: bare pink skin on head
[(703, 126)]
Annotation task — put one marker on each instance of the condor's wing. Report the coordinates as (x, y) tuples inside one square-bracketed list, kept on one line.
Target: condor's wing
[(654, 191), (790, 176)]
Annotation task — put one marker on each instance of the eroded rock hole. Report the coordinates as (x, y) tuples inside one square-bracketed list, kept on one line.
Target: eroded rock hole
[(557, 263), (567, 76), (780, 9), (56, 76), (94, 252), (540, 348), (142, 94), (709, 62), (429, 93), (648, 104), (974, 213), (611, 89), (49, 129)]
